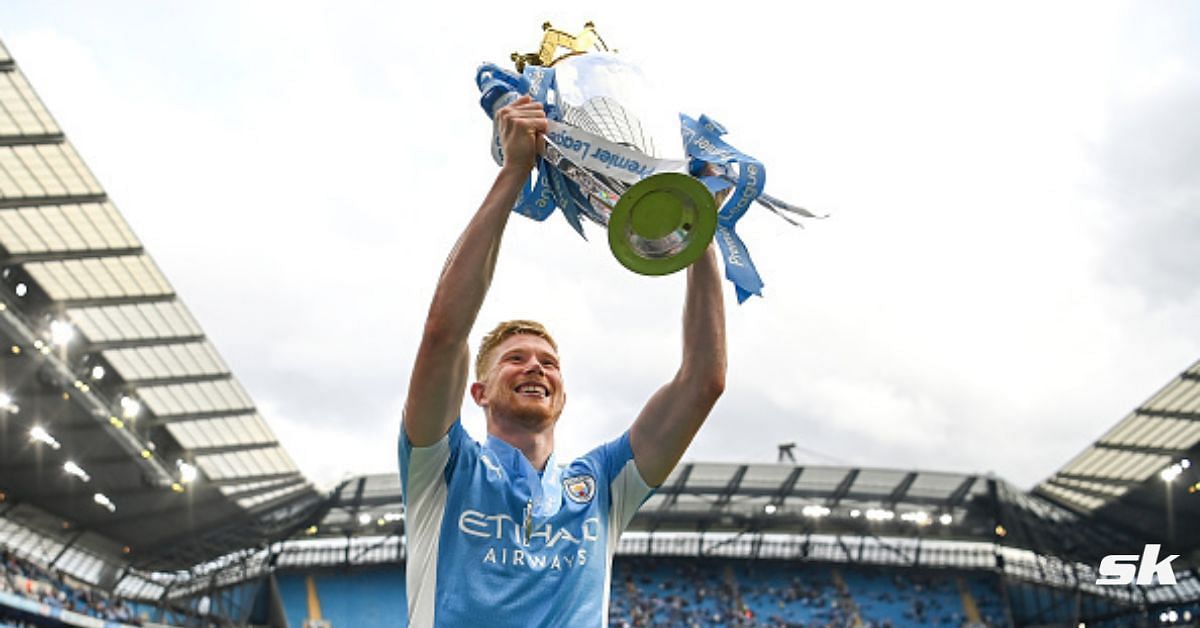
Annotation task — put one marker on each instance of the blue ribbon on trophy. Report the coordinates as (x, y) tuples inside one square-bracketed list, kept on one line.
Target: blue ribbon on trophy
[(601, 162)]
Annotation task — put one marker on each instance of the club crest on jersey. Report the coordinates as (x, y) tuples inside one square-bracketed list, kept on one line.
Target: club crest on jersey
[(580, 488)]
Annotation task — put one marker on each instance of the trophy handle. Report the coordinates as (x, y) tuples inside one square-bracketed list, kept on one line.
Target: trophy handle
[(662, 224)]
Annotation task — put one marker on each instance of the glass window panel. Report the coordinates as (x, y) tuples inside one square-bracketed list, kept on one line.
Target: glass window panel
[(120, 282), (191, 399), (134, 323), (40, 170), (104, 325), (65, 228), (8, 185), (26, 185), (12, 106), (16, 235), (108, 216), (43, 230), (95, 278), (151, 366), (258, 430), (74, 178), (158, 317), (33, 102), (47, 275), (162, 361), (160, 281)]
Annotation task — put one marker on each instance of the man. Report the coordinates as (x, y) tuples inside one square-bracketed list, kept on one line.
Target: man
[(497, 533)]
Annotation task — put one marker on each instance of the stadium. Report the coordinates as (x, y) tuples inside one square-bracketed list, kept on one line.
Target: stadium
[(139, 484)]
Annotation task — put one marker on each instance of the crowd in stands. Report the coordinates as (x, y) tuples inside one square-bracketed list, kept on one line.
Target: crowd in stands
[(785, 594), (58, 591)]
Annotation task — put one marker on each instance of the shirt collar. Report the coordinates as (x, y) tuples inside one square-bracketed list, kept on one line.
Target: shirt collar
[(544, 491)]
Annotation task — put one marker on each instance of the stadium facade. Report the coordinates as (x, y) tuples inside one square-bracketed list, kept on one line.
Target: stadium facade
[(139, 484)]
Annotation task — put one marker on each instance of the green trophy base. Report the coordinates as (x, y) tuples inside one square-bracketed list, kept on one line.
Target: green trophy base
[(662, 224)]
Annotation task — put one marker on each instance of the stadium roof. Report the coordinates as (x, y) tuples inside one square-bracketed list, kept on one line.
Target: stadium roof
[(1119, 478), (112, 399), (799, 500)]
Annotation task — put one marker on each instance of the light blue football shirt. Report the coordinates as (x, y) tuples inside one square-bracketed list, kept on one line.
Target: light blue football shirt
[(492, 541)]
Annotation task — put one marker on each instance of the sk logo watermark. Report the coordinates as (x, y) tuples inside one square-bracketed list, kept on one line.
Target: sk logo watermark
[(1123, 568)]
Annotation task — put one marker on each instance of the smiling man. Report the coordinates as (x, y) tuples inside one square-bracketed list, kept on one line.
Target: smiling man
[(498, 531)]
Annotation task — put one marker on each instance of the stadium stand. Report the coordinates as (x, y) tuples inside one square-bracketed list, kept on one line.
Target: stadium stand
[(139, 485)]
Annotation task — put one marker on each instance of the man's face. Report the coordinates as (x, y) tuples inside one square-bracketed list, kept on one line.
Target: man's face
[(524, 382)]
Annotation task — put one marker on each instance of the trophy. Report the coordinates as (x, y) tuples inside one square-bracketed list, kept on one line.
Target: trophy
[(616, 156)]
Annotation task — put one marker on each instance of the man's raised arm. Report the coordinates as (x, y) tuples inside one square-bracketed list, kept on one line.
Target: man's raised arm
[(666, 426), (440, 372)]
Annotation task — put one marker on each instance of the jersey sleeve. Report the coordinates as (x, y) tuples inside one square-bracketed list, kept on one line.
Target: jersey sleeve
[(626, 488), (422, 468)]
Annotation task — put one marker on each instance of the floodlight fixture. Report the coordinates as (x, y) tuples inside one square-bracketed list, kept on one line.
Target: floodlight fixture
[(945, 519), (21, 289), (769, 509), (39, 434), (103, 500), (393, 516), (61, 332), (1171, 472), (815, 511), (77, 471), (130, 407), (919, 517), (7, 405), (364, 519), (187, 472), (1185, 463), (98, 372), (879, 514), (856, 513)]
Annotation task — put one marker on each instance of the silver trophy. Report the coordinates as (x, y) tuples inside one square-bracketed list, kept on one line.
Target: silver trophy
[(616, 155)]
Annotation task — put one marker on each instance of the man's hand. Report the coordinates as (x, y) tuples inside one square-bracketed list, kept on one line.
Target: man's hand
[(522, 124)]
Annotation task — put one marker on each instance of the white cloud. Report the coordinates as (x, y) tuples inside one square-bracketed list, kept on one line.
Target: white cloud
[(300, 182)]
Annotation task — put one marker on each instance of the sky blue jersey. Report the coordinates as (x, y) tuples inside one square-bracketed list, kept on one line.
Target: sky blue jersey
[(491, 540)]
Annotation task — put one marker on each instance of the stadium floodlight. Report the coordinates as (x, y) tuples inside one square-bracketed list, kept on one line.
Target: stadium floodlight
[(98, 372), (364, 519), (103, 500), (393, 516), (39, 434), (769, 509), (856, 513), (919, 517), (1171, 472), (1172, 616), (187, 472), (1185, 463), (21, 289), (815, 511), (7, 405), (879, 514), (61, 332), (946, 519), (77, 471), (130, 407)]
